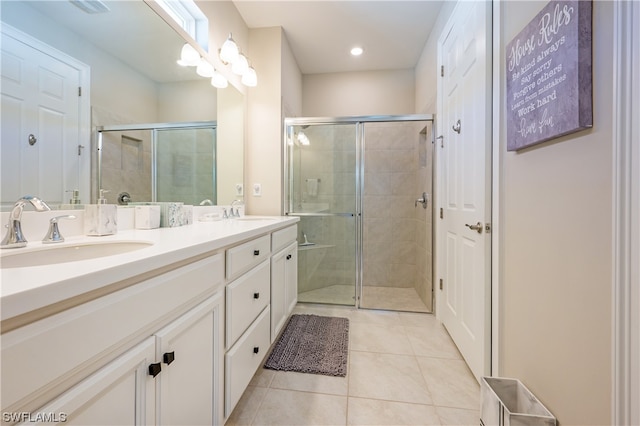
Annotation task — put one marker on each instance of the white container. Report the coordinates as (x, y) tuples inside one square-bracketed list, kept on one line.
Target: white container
[(508, 402), (147, 217), (100, 219)]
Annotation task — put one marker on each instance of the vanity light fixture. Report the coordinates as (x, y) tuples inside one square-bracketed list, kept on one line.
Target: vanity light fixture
[(205, 69), (189, 56), (241, 65), (250, 78), (229, 51), (218, 80), (357, 51)]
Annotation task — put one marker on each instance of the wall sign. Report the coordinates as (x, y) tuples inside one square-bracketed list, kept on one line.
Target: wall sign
[(549, 87)]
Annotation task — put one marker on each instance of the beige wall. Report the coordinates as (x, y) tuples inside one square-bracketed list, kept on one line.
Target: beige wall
[(555, 310), (358, 93), (263, 154), (427, 66)]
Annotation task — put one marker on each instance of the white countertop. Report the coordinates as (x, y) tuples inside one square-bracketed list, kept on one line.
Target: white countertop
[(23, 290)]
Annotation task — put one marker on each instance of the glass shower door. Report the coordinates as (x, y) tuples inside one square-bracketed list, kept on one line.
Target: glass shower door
[(321, 189)]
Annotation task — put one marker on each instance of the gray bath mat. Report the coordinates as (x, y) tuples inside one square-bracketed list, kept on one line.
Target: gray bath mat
[(312, 344)]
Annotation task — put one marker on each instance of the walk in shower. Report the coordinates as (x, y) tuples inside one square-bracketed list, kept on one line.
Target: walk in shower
[(362, 187)]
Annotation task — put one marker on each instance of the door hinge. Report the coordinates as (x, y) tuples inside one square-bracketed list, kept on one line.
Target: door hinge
[(487, 228), (441, 213), (441, 70), (79, 91), (441, 284)]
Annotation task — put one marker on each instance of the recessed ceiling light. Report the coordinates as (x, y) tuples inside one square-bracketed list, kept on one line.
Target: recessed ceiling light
[(357, 51)]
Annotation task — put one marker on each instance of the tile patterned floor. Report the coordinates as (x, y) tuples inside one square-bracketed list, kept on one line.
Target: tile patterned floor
[(403, 370)]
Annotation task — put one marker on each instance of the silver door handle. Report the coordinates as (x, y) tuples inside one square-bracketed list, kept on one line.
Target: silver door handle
[(477, 227), (424, 200)]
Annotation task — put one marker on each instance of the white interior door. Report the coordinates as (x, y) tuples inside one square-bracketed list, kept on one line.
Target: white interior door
[(40, 97), (465, 182)]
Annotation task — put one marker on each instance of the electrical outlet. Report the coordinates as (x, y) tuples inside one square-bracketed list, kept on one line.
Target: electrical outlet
[(257, 190), (239, 189)]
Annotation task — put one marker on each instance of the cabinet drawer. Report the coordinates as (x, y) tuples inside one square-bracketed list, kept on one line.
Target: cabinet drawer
[(243, 257), (242, 361), (246, 298), (282, 238)]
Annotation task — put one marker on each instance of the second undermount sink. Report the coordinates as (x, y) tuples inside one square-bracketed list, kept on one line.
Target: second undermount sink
[(67, 253)]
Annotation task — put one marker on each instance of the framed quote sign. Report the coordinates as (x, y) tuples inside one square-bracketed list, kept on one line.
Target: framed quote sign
[(549, 83)]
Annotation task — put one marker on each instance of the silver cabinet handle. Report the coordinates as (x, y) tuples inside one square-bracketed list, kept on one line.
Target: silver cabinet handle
[(477, 227)]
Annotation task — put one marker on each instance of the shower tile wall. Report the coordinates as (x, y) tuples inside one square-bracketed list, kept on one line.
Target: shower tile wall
[(396, 243), (126, 165), (187, 161), (329, 160)]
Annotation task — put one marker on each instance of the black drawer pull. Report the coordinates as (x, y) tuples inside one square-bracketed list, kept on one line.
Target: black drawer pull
[(256, 252), (256, 349), (256, 295), (154, 369), (288, 256), (168, 357)]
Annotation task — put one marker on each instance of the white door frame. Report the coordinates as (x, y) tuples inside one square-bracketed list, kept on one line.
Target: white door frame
[(492, 316), (626, 211)]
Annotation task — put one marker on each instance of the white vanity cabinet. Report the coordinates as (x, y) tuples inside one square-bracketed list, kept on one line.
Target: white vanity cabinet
[(120, 393), (107, 361), (284, 277), (248, 298), (189, 352)]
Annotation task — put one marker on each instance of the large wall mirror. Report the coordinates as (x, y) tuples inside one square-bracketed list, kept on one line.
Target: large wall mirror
[(125, 61)]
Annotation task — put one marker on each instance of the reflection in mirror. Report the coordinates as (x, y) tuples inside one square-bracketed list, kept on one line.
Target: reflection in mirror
[(158, 162), (131, 77)]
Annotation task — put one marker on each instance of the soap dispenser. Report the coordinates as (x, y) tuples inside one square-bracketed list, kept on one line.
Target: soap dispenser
[(101, 218)]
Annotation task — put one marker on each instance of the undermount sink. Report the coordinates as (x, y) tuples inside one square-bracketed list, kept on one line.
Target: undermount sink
[(67, 253)]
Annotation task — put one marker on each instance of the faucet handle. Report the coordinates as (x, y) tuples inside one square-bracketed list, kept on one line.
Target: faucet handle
[(53, 235)]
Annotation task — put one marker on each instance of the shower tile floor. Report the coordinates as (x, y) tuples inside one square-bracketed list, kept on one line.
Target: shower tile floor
[(403, 370), (388, 298)]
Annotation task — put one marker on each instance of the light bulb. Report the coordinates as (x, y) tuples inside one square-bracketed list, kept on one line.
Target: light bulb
[(229, 51), (241, 65), (205, 69), (357, 51), (218, 80), (189, 56), (250, 78)]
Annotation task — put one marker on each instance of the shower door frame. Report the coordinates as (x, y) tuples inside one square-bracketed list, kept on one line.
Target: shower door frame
[(359, 122)]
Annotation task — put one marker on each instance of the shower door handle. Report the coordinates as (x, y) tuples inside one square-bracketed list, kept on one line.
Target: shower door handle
[(424, 200)]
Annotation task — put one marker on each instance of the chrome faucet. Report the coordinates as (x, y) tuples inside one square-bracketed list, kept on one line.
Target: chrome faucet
[(14, 237), (237, 211)]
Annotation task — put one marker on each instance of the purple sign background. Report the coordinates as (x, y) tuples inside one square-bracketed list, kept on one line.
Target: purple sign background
[(549, 87)]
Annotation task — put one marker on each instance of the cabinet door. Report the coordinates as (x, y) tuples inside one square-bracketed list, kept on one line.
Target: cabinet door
[(190, 382), (291, 278), (284, 287), (121, 393), (278, 298)]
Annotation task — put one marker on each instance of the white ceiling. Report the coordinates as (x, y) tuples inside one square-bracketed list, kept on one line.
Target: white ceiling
[(321, 33)]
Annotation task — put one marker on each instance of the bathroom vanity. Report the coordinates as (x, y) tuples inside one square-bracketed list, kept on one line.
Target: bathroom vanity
[(169, 333)]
